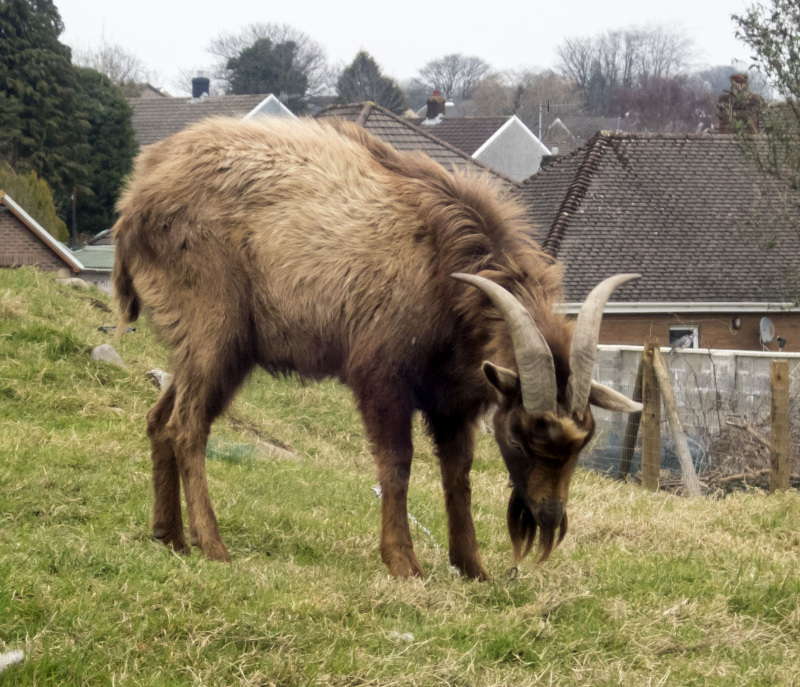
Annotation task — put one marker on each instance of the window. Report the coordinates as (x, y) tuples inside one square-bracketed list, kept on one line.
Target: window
[(683, 336)]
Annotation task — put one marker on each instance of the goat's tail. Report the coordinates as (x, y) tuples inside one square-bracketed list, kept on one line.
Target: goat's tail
[(128, 301)]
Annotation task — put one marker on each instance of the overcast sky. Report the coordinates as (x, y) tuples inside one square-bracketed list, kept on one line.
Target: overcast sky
[(171, 35)]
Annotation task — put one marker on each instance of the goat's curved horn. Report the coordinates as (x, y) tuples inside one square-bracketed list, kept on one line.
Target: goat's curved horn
[(584, 341), (537, 373)]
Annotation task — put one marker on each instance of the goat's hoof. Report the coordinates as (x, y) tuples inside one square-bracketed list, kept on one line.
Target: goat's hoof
[(404, 565), (170, 537), (474, 571), (216, 551)]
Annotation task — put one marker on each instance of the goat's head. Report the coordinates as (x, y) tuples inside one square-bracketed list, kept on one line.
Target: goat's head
[(539, 430)]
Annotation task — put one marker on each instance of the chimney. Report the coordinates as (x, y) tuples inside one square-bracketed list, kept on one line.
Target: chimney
[(200, 86), (739, 109), (435, 107)]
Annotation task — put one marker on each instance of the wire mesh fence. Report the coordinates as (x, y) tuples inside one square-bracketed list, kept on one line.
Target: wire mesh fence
[(725, 405)]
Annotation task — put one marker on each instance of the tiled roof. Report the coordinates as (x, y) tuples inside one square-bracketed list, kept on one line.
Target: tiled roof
[(156, 118), (689, 212), (403, 135), (465, 133)]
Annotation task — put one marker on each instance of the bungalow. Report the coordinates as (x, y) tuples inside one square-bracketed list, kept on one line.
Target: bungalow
[(716, 241), (157, 118)]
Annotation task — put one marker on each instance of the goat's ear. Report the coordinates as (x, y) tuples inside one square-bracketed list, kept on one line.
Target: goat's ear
[(605, 397), (504, 380)]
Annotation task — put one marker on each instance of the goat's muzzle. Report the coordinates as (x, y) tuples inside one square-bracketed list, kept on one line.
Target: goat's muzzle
[(523, 523)]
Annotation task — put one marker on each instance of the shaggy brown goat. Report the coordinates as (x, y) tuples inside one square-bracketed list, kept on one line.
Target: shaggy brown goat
[(313, 248)]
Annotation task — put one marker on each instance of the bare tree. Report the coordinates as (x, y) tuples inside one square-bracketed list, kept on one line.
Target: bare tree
[(679, 104), (122, 67), (664, 52), (310, 57), (493, 96), (576, 59), (454, 75), (603, 64), (524, 94)]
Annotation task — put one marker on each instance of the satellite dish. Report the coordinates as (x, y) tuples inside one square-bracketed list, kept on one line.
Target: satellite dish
[(767, 329)]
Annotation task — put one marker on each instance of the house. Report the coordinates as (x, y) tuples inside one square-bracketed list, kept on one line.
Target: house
[(23, 241), (717, 243), (403, 135), (503, 143), (154, 119)]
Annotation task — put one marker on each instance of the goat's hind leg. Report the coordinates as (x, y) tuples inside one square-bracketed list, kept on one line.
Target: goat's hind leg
[(203, 387), (167, 521)]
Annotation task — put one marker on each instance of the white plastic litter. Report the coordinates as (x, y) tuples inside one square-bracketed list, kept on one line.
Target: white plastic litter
[(10, 659)]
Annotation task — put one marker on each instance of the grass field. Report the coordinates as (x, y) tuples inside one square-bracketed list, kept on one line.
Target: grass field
[(647, 589)]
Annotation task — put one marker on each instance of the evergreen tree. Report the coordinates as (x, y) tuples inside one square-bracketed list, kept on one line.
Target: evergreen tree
[(33, 195), (113, 148), (362, 80), (48, 134), (267, 67)]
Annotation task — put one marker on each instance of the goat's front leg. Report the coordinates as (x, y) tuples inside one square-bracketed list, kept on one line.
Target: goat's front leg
[(455, 444), (389, 430)]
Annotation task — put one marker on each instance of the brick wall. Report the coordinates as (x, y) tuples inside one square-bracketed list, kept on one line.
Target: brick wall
[(716, 329), (20, 246)]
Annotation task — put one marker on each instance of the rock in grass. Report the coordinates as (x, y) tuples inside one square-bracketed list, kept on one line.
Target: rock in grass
[(75, 281), (160, 378), (10, 659), (106, 353)]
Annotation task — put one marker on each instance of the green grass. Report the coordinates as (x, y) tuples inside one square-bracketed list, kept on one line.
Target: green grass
[(647, 589)]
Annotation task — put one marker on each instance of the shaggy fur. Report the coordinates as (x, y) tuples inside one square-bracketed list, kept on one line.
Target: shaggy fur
[(313, 248)]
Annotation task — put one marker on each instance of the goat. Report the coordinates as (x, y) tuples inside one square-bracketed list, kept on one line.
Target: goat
[(313, 248)]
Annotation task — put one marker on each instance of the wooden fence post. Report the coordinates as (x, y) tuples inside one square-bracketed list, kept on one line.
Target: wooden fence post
[(779, 425), (690, 481), (632, 428), (651, 421)]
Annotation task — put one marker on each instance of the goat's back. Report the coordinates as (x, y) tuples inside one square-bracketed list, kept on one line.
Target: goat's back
[(324, 247)]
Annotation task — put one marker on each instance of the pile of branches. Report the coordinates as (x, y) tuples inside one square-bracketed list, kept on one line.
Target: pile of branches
[(740, 455)]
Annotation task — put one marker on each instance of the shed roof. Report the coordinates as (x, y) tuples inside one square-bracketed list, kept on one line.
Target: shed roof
[(97, 258)]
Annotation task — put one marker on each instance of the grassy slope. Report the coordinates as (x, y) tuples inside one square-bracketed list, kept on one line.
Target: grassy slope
[(647, 589)]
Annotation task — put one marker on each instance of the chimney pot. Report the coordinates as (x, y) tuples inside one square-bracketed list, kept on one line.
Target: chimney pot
[(200, 86), (739, 108), (436, 107)]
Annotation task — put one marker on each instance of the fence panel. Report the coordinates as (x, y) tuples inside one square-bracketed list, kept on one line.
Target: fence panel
[(723, 403)]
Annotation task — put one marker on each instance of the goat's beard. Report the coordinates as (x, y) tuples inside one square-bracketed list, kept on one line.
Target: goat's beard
[(522, 527)]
